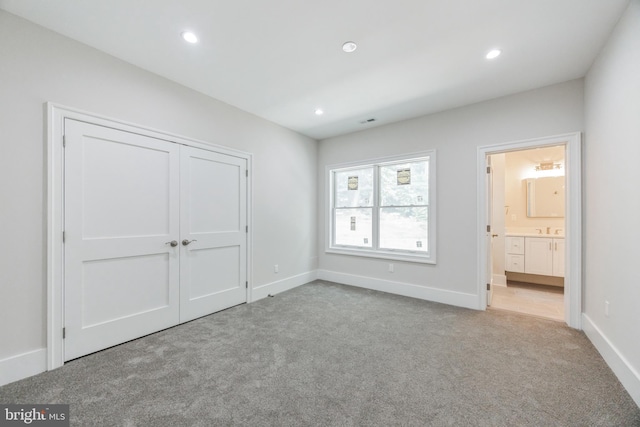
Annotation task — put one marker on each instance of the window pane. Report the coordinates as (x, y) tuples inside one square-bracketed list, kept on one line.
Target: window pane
[(353, 188), (404, 229), (404, 184), (353, 227)]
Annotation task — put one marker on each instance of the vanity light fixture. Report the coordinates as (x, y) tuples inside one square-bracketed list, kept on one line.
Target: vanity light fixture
[(493, 54), (349, 47), (548, 166), (189, 37)]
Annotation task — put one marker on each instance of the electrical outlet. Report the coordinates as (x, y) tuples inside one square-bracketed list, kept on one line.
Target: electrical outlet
[(390, 268), (606, 308), (276, 269)]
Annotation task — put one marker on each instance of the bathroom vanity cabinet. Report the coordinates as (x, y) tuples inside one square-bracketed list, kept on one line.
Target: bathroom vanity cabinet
[(515, 254), (535, 255), (544, 255)]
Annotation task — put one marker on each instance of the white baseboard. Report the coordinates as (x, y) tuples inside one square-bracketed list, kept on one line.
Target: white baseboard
[(23, 365), (421, 292), (499, 279), (273, 288), (628, 376)]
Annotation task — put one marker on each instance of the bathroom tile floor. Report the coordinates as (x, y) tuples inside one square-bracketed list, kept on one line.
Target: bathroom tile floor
[(526, 298)]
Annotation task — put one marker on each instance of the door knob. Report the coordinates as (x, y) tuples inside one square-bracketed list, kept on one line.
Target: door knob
[(173, 243), (185, 242)]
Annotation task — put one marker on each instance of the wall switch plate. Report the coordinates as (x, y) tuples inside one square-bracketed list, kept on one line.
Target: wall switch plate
[(391, 268), (276, 269), (606, 308), (514, 217)]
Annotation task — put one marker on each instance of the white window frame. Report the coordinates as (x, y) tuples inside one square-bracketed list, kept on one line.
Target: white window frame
[(428, 257)]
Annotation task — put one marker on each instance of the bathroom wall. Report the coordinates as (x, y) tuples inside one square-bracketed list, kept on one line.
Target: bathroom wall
[(520, 165)]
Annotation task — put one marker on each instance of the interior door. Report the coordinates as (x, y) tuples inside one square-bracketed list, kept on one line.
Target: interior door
[(489, 236), (213, 260), (121, 213)]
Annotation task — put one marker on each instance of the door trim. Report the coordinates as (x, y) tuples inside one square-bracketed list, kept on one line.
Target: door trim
[(573, 217), (55, 117)]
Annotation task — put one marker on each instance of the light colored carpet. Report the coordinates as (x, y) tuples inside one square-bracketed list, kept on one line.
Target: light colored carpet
[(330, 355)]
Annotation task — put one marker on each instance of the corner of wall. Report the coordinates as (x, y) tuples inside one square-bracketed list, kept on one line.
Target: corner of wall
[(286, 284)]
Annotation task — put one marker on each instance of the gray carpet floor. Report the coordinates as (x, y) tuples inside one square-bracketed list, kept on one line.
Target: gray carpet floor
[(331, 355)]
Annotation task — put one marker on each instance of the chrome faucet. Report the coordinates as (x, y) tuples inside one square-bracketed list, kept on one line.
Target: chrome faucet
[(539, 230), (548, 230)]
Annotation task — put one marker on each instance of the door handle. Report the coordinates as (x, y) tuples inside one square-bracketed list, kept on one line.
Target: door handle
[(494, 235), (185, 242), (173, 243)]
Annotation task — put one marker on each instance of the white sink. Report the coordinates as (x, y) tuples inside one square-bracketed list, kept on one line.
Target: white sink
[(520, 234)]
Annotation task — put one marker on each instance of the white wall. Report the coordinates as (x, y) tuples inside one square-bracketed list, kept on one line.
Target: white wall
[(611, 202), (36, 66), (455, 134)]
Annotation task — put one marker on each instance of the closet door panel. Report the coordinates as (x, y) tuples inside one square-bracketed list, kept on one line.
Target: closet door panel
[(121, 209), (213, 260)]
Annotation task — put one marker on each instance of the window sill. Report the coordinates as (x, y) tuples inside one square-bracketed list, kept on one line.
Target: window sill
[(390, 255)]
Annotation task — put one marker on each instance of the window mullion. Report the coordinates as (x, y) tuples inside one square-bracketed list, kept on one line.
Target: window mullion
[(333, 207), (375, 214)]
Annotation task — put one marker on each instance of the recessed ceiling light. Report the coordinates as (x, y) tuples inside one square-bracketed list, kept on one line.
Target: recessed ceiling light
[(493, 53), (188, 36), (349, 47), (319, 112)]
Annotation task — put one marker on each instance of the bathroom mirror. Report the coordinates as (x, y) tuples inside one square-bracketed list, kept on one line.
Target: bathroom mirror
[(545, 197)]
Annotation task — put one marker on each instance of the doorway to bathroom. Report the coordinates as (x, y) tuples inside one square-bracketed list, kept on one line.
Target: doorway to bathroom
[(529, 227), (527, 238)]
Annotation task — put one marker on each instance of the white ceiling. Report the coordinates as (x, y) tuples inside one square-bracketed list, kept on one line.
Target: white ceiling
[(282, 59)]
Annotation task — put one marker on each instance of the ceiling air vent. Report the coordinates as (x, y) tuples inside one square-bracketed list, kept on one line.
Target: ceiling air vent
[(364, 122)]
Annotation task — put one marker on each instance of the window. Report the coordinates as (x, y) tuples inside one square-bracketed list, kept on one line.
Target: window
[(384, 209)]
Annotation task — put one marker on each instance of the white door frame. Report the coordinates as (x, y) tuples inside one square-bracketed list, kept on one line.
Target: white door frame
[(56, 115), (573, 218)]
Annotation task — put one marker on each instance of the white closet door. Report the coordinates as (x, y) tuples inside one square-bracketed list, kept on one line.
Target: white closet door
[(121, 209), (213, 259)]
